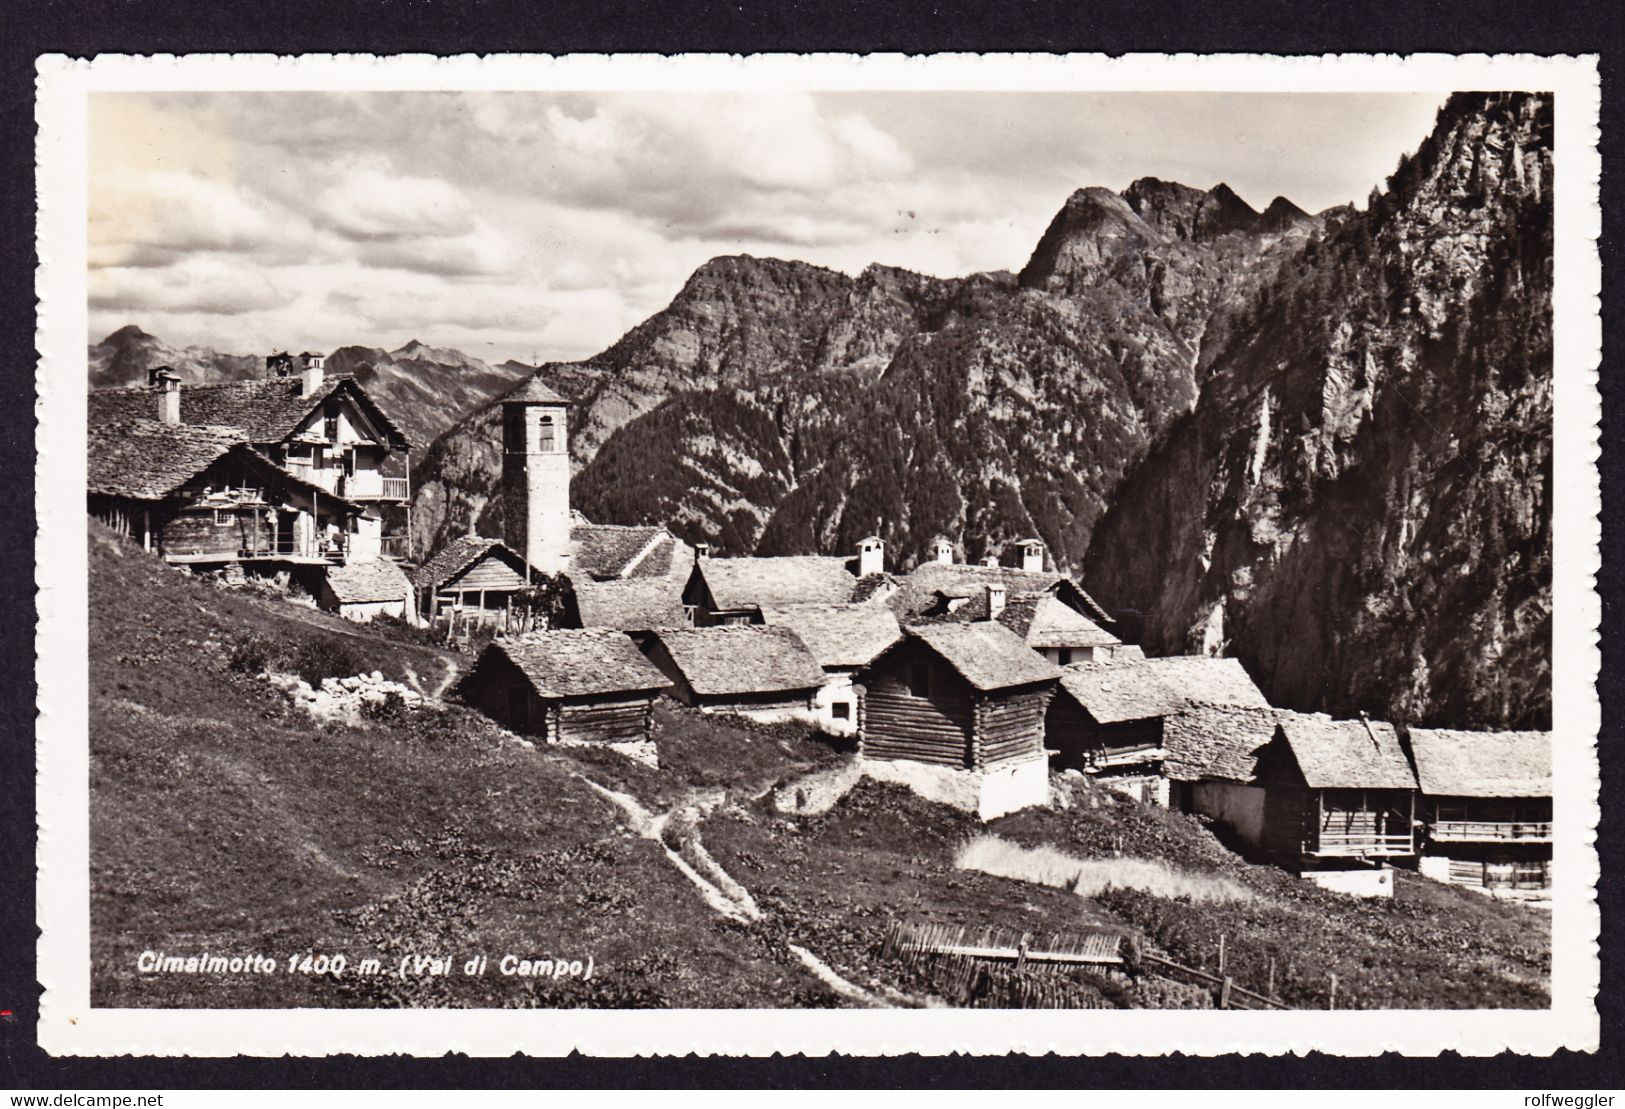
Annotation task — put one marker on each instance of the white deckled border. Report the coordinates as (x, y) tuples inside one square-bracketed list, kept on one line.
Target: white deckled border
[(68, 1025)]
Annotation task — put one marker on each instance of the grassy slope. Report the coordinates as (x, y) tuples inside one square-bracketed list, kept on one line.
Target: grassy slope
[(225, 820), (836, 880)]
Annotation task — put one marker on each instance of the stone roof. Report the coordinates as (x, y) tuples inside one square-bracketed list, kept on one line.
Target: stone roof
[(613, 550), (1202, 680), (534, 390), (1114, 693), (146, 459), (580, 663), (1216, 741), (1044, 620), (736, 583), (633, 604), (873, 587), (373, 579), (987, 655), (839, 635), (266, 410), (741, 658), (1346, 754), (1482, 764), (456, 556), (920, 587)]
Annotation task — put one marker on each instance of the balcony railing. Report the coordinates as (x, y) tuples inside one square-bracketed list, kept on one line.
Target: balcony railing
[(1491, 831), (396, 546), (1359, 844)]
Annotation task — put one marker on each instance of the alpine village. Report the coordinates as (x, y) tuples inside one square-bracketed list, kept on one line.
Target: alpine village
[(953, 693)]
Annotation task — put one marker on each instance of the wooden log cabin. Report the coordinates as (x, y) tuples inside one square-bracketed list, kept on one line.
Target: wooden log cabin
[(1486, 801), (761, 673), (577, 686), (966, 702), (1338, 798), (1107, 721)]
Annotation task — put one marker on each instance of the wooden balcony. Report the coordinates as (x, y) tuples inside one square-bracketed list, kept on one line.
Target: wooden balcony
[(1491, 831), (371, 487), (1358, 844), (397, 547)]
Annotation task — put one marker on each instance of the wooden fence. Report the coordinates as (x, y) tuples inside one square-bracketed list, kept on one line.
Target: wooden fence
[(967, 947)]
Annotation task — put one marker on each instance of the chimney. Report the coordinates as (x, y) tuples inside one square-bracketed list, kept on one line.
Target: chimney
[(168, 383), (942, 551), (871, 556), (995, 600), (702, 550), (310, 374), (1032, 555)]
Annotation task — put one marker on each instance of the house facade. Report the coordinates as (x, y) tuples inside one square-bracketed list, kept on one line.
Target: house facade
[(1486, 809), (324, 429), (1107, 721)]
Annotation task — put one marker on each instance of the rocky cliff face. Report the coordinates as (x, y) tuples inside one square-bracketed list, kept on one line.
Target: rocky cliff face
[(1360, 505), (777, 407)]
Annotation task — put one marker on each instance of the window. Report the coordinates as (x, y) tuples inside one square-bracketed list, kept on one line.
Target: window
[(1064, 656), (919, 680), (223, 517), (330, 424), (547, 434), (691, 614), (840, 710)]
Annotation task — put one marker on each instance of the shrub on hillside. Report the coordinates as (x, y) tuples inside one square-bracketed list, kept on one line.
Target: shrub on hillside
[(393, 627), (316, 659), (254, 655)]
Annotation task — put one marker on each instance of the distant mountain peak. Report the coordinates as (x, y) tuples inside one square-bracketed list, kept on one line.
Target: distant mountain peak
[(1282, 214), (129, 333)]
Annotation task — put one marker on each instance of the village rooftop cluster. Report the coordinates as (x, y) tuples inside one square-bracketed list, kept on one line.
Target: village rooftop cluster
[(970, 684)]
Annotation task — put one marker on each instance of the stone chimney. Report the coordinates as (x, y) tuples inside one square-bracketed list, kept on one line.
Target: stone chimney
[(995, 600), (310, 373), (702, 550), (1032, 555), (168, 384), (942, 551), (871, 556)]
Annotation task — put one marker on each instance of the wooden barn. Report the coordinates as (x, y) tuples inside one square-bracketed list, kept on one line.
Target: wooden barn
[(567, 686), (961, 698), (471, 575), (765, 674), (1107, 720), (1486, 800), (844, 639), (364, 589), (1337, 798)]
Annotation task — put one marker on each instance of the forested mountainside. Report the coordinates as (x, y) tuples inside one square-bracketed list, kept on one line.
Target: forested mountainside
[(425, 389), (1359, 507), (778, 407)]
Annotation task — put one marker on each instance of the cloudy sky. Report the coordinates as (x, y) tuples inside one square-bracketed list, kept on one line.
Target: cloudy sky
[(546, 224)]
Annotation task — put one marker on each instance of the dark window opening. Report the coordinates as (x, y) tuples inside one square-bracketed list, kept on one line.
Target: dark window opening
[(330, 425), (1065, 656), (547, 434), (919, 680), (840, 710)]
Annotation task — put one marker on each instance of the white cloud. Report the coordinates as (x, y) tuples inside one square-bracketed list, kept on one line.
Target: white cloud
[(549, 223)]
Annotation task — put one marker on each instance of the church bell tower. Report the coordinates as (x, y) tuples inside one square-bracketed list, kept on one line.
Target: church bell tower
[(536, 475)]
